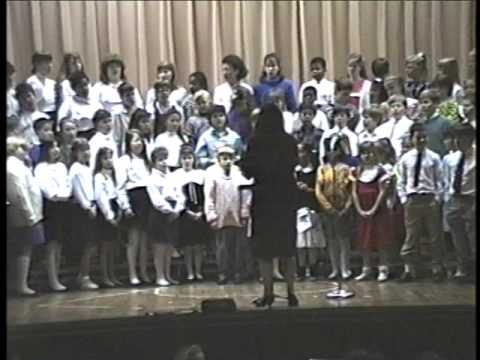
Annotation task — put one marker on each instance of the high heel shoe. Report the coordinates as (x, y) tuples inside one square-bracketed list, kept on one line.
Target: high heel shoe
[(264, 301), (292, 300)]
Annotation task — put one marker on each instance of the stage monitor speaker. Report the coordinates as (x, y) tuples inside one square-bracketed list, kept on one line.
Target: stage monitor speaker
[(218, 306)]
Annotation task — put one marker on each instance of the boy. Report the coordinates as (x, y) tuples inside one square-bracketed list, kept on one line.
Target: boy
[(102, 120), (343, 89), (227, 212), (320, 120), (44, 130), (161, 106), (198, 123), (308, 134), (325, 89), (419, 188), (373, 117), (121, 121), (459, 199)]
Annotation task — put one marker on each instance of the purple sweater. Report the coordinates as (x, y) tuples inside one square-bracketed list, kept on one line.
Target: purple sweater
[(263, 90)]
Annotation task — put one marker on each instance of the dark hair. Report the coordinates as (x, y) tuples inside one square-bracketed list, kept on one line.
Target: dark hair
[(76, 78), (44, 155), (128, 139), (319, 60), (10, 68), (157, 152), (218, 109), (23, 89), (275, 57), (397, 98), (374, 112), (445, 82), (40, 123), (450, 65), (380, 67), (464, 130), (340, 109), (79, 144), (124, 88), (160, 85), (237, 64), (416, 127), (400, 80), (64, 72), (343, 85), (98, 162), (202, 79), (104, 66), (310, 88), (99, 115), (366, 146), (137, 115), (359, 61), (167, 66), (187, 149), (39, 57), (431, 94), (270, 122), (304, 106)]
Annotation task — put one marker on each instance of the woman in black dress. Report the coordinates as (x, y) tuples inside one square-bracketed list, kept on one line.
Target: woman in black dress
[(270, 160)]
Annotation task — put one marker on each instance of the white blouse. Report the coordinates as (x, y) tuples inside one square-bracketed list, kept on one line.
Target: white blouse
[(80, 110), (107, 95), (161, 189), (53, 180), (44, 92), (223, 93), (104, 191), (98, 141), (182, 177), (131, 172), (81, 178), (176, 97), (173, 143)]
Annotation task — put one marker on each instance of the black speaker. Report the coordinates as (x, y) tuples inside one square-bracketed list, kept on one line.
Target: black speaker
[(218, 306)]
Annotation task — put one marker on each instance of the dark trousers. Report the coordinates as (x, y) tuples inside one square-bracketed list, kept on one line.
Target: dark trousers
[(232, 252)]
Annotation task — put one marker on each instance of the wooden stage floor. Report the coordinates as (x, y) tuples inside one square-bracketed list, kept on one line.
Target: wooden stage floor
[(132, 302)]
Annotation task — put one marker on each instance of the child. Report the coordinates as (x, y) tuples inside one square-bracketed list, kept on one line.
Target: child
[(172, 138), (394, 85), (162, 106), (132, 173), (469, 112), (380, 70), (80, 107), (469, 89), (165, 75), (447, 68), (198, 123), (197, 81), (420, 188), (234, 71), (271, 80), (72, 63), (102, 120), (238, 119), (227, 212), (68, 133), (44, 132), (333, 192), (85, 210), (325, 89), (141, 121), (373, 117), (24, 212), (340, 114), (416, 73), (308, 134), (52, 177), (448, 108), (398, 125), (112, 75), (121, 121), (168, 203), (343, 89), (310, 237), (218, 134), (44, 87), (109, 214), (277, 97), (320, 120), (194, 232), (369, 182), (359, 97)]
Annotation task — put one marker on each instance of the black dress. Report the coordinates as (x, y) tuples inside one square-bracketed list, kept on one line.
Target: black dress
[(271, 163)]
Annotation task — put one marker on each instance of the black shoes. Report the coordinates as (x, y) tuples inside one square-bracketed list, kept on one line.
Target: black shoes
[(264, 301), (292, 300)]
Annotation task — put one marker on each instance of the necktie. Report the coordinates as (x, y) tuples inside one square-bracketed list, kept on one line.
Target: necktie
[(457, 181), (418, 166)]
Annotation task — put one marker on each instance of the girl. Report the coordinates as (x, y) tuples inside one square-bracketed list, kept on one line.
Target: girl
[(112, 75), (310, 237), (369, 183), (360, 95), (172, 139), (373, 117), (141, 121), (394, 85), (196, 82), (416, 73), (166, 75), (85, 210), (273, 79), (194, 231), (43, 86), (167, 202), (102, 120), (72, 62), (68, 133), (162, 107), (198, 123), (109, 214), (380, 70), (52, 176), (24, 212), (133, 171), (447, 68), (238, 119)]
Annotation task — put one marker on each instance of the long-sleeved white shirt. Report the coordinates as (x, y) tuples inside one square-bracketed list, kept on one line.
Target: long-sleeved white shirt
[(173, 143), (107, 95), (395, 130), (105, 191), (430, 179), (325, 91), (131, 173), (81, 178), (53, 180), (352, 137), (44, 92), (80, 110), (175, 98), (469, 180), (223, 93), (163, 188), (98, 141)]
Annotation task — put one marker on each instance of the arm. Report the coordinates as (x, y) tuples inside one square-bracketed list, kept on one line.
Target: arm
[(402, 181), (439, 181), (138, 99), (44, 181), (121, 173), (158, 200), (209, 189), (19, 195), (381, 195), (322, 199), (79, 191), (201, 151), (101, 197), (447, 176)]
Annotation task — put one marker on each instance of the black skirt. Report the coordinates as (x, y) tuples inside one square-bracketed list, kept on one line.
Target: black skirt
[(104, 230), (58, 220), (140, 204), (161, 229)]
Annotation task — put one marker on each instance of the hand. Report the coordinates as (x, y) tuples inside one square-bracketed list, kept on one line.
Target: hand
[(302, 186), (342, 212), (197, 216), (129, 213), (114, 222), (363, 214), (369, 213), (214, 224)]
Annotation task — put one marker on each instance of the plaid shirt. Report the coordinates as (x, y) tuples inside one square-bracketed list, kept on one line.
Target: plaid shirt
[(333, 188)]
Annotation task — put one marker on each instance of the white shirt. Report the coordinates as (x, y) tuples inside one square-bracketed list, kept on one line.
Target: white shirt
[(457, 92), (320, 121), (25, 126), (53, 180), (325, 91), (131, 172), (163, 110), (367, 136), (469, 181), (81, 178), (44, 92), (395, 131), (12, 103), (67, 91), (176, 97), (223, 93), (162, 188), (289, 120), (172, 142), (352, 137), (182, 177), (98, 141), (80, 110), (104, 190), (430, 179), (107, 95)]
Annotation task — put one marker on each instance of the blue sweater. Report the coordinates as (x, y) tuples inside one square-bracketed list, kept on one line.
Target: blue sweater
[(263, 90)]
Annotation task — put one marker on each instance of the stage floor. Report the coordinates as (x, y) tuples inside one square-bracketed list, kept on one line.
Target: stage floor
[(128, 302)]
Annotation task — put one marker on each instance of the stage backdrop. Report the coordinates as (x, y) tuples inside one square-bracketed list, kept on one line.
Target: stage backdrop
[(195, 35)]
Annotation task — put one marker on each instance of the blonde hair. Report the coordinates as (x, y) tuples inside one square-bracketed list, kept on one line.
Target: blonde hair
[(201, 94), (14, 143)]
